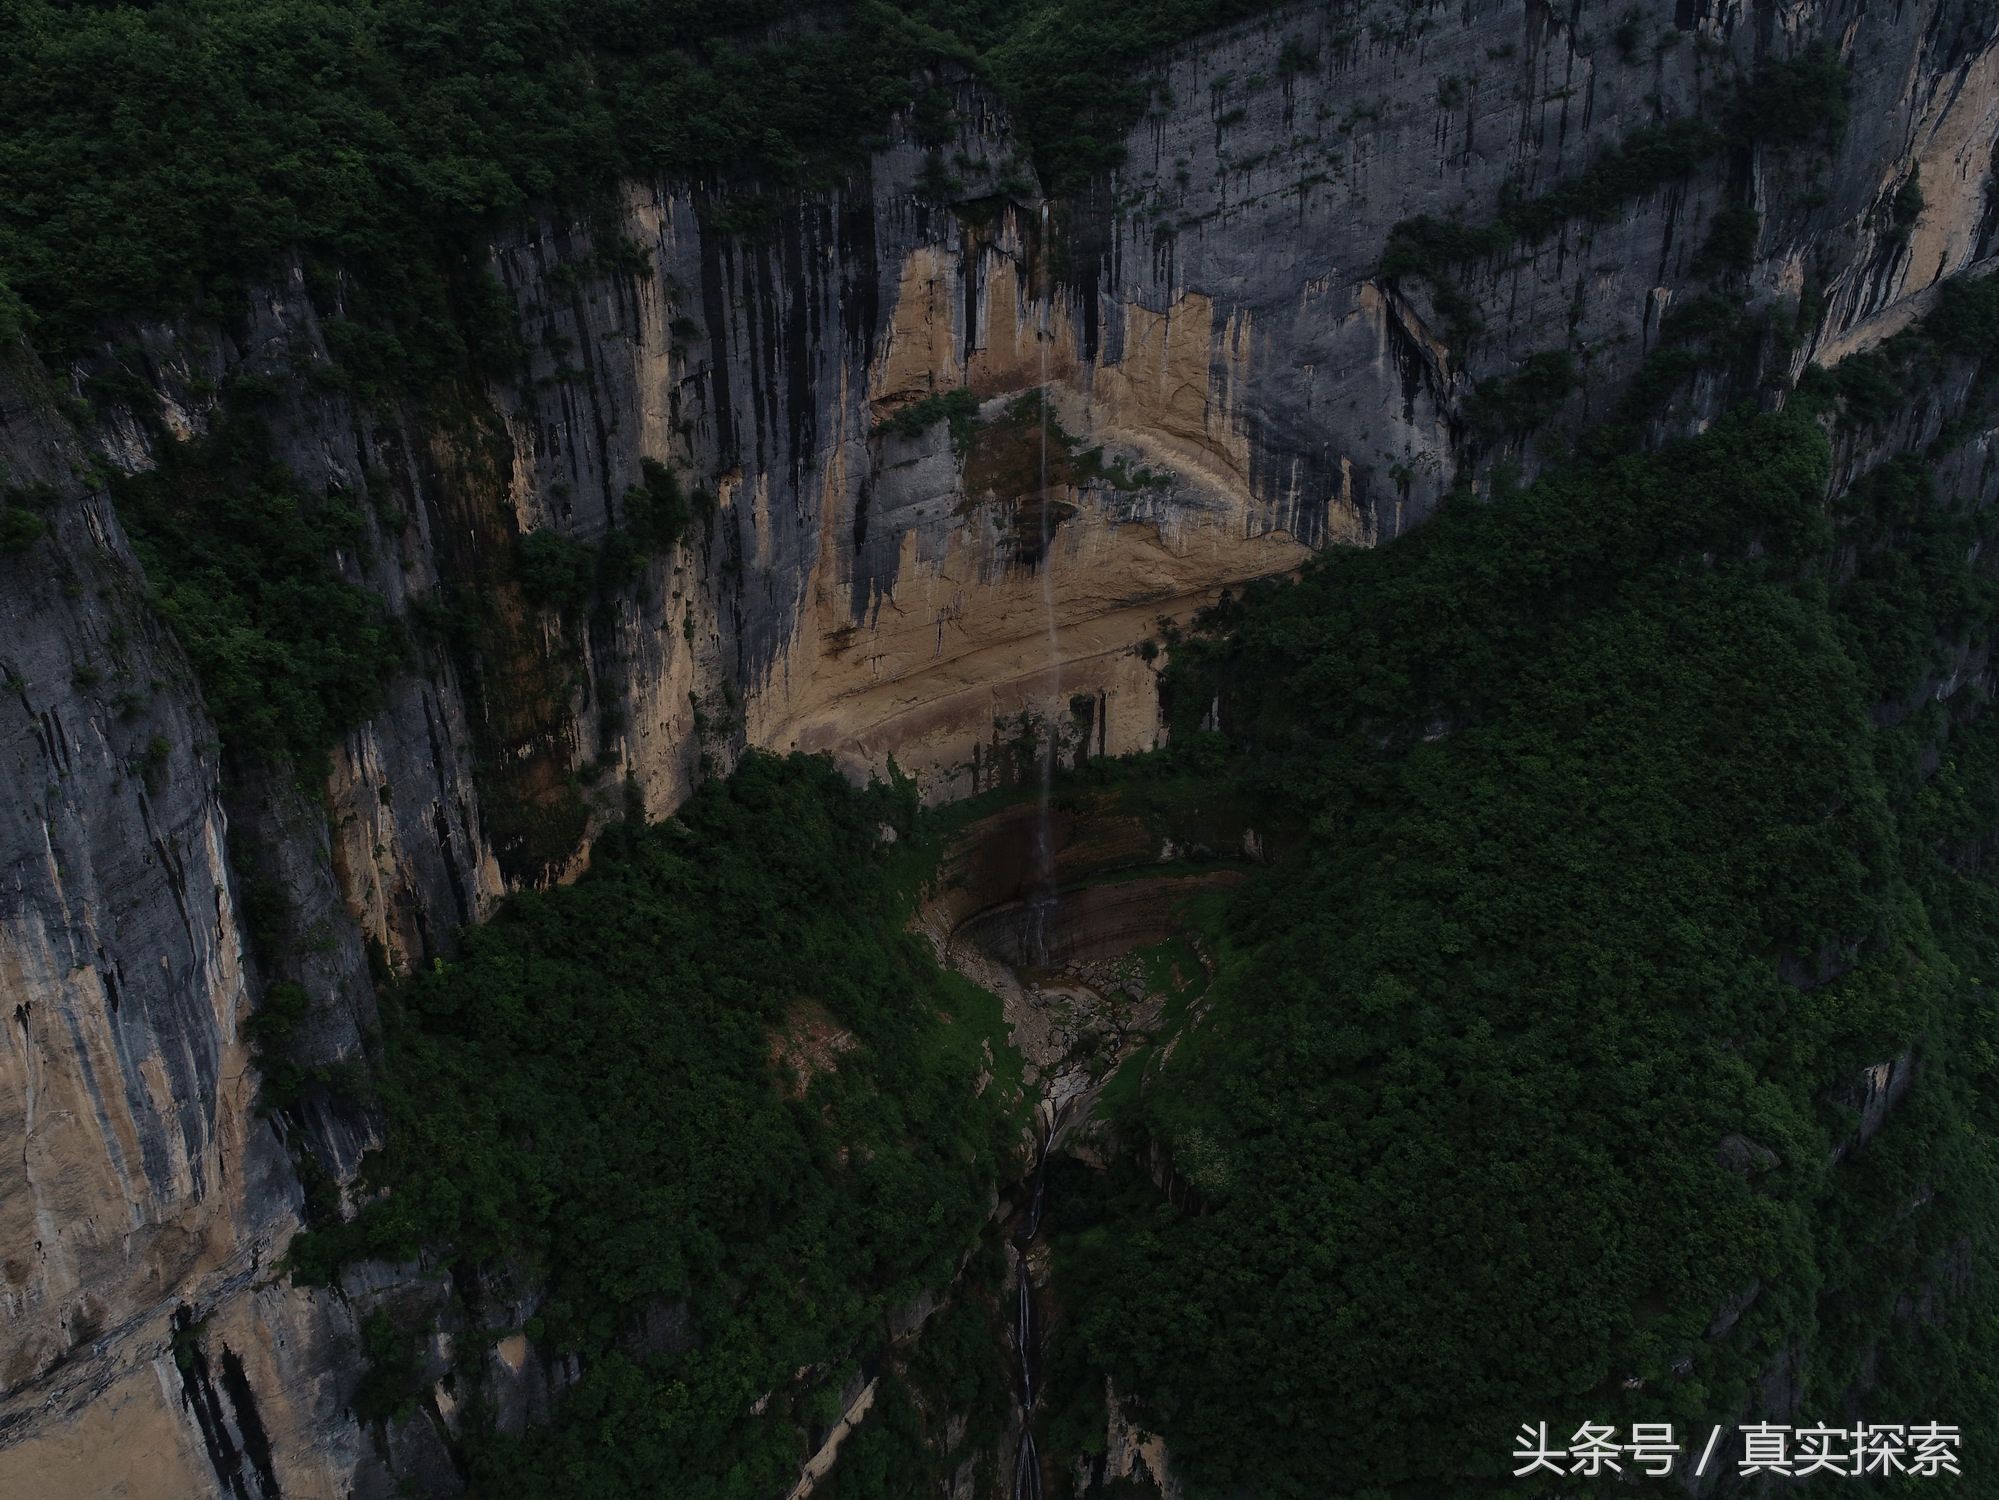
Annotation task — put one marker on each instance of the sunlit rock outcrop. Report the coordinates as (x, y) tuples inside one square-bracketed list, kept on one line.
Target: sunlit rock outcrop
[(1225, 386)]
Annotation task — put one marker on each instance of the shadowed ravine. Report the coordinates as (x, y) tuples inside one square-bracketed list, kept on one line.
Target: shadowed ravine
[(1026, 1331), (1027, 1462), (390, 545)]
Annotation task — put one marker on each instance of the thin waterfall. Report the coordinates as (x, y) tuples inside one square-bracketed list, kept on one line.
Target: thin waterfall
[(1027, 1469), (1042, 901), (1026, 1336)]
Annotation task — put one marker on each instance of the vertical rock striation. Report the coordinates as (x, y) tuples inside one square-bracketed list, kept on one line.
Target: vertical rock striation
[(1232, 388)]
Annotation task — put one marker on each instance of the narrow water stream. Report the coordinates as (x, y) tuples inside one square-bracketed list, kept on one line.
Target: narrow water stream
[(1043, 897), (1026, 1332), (1040, 907)]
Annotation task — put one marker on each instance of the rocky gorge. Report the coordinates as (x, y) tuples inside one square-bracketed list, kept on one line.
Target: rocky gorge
[(855, 392)]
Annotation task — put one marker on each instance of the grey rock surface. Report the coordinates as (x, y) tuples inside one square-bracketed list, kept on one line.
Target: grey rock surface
[(1210, 314)]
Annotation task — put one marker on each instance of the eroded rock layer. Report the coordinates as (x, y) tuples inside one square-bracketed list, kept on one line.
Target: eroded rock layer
[(1224, 387)]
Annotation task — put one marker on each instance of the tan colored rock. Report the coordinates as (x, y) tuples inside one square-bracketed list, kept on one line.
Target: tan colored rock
[(130, 1443), (960, 641)]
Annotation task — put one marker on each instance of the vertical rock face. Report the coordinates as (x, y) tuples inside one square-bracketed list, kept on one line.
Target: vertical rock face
[(1228, 388), (139, 1176)]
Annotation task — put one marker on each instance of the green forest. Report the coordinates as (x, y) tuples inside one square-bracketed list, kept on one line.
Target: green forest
[(1545, 1044), (1627, 820), (714, 1081), (1624, 832), (160, 156)]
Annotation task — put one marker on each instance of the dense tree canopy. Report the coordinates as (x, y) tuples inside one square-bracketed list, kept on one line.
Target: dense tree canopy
[(714, 1075), (1606, 869), (157, 153)]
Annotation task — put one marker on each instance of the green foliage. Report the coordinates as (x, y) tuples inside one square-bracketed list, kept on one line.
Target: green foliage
[(1072, 69), (1790, 103), (1966, 320), (1898, 601), (1629, 36), (1601, 859), (280, 1080), (594, 1095), (240, 560), (390, 1382), (1868, 388), (260, 899), (1424, 246), (1643, 162), (185, 1343), (656, 512), (1731, 241), (958, 407), (152, 760), (384, 138), (13, 322), (1526, 398), (954, 1374), (285, 1006), (364, 132), (21, 521), (1907, 206), (558, 572), (1296, 56), (555, 570), (19, 530), (1800, 101), (658, 516), (1710, 336)]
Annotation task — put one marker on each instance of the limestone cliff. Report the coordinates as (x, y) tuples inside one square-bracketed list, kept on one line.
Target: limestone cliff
[(1230, 387)]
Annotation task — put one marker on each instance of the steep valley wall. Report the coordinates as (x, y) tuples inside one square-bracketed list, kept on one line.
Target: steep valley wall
[(1209, 318)]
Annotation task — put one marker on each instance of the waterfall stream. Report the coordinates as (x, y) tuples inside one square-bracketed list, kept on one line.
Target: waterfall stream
[(1026, 1335), (1041, 904), (1043, 897)]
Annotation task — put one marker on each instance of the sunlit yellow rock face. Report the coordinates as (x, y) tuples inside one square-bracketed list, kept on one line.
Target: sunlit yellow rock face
[(927, 642), (1228, 388)]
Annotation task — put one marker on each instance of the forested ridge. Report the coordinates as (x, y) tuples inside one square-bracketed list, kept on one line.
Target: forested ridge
[(1634, 820), (712, 1085), (1640, 813), (158, 157), (1635, 824)]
